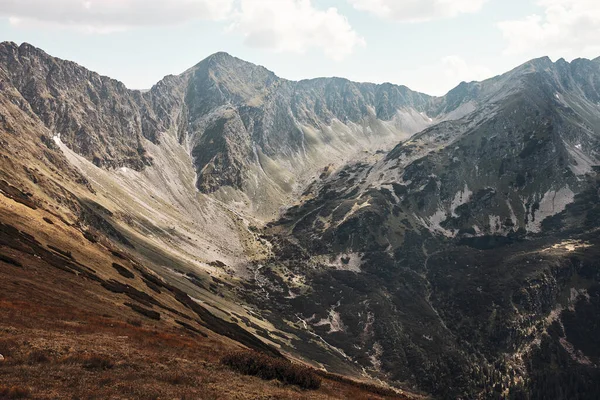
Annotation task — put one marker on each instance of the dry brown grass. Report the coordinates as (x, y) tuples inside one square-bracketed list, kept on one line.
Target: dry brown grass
[(38, 357), (362, 386), (177, 378), (7, 346), (146, 362), (14, 392), (65, 336), (97, 362), (269, 368)]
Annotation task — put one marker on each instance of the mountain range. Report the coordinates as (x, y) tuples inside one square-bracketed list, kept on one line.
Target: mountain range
[(446, 246)]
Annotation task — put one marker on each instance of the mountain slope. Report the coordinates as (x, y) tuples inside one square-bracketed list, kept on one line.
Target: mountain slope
[(461, 262), (81, 318), (524, 152), (257, 139), (448, 255)]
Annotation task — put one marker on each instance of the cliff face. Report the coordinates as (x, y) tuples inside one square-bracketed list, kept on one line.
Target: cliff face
[(97, 116)]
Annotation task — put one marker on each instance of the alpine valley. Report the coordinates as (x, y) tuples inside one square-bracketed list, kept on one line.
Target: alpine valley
[(399, 244)]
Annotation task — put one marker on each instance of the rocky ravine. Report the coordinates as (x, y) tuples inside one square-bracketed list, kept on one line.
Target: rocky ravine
[(462, 262)]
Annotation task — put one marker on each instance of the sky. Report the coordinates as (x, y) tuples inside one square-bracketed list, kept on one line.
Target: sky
[(427, 45)]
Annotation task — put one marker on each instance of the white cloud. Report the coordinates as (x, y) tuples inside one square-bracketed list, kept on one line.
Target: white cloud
[(435, 78), (457, 70), (105, 16), (295, 26), (281, 25), (567, 28), (417, 10)]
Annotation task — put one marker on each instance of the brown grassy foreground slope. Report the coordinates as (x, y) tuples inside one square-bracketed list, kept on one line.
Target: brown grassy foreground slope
[(80, 320)]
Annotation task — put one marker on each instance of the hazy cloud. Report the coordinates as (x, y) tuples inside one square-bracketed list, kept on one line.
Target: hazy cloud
[(281, 25), (295, 26), (567, 28), (417, 10), (457, 70), (104, 16)]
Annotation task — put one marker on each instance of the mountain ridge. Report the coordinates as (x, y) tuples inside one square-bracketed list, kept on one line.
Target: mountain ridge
[(210, 93), (268, 137)]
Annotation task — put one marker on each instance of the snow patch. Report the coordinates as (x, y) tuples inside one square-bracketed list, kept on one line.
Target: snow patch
[(334, 320), (513, 216), (495, 224), (461, 197), (433, 223), (347, 262), (552, 203)]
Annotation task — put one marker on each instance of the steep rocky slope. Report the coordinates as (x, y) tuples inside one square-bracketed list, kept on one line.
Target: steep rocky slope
[(516, 159), (257, 138), (448, 260), (97, 116)]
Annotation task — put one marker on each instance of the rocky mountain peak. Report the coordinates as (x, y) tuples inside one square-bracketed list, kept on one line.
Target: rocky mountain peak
[(540, 62), (220, 56), (96, 116), (6, 45), (223, 67)]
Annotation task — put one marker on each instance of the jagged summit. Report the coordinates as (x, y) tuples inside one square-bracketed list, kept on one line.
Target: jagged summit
[(543, 61), (220, 55), (8, 43), (224, 60)]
